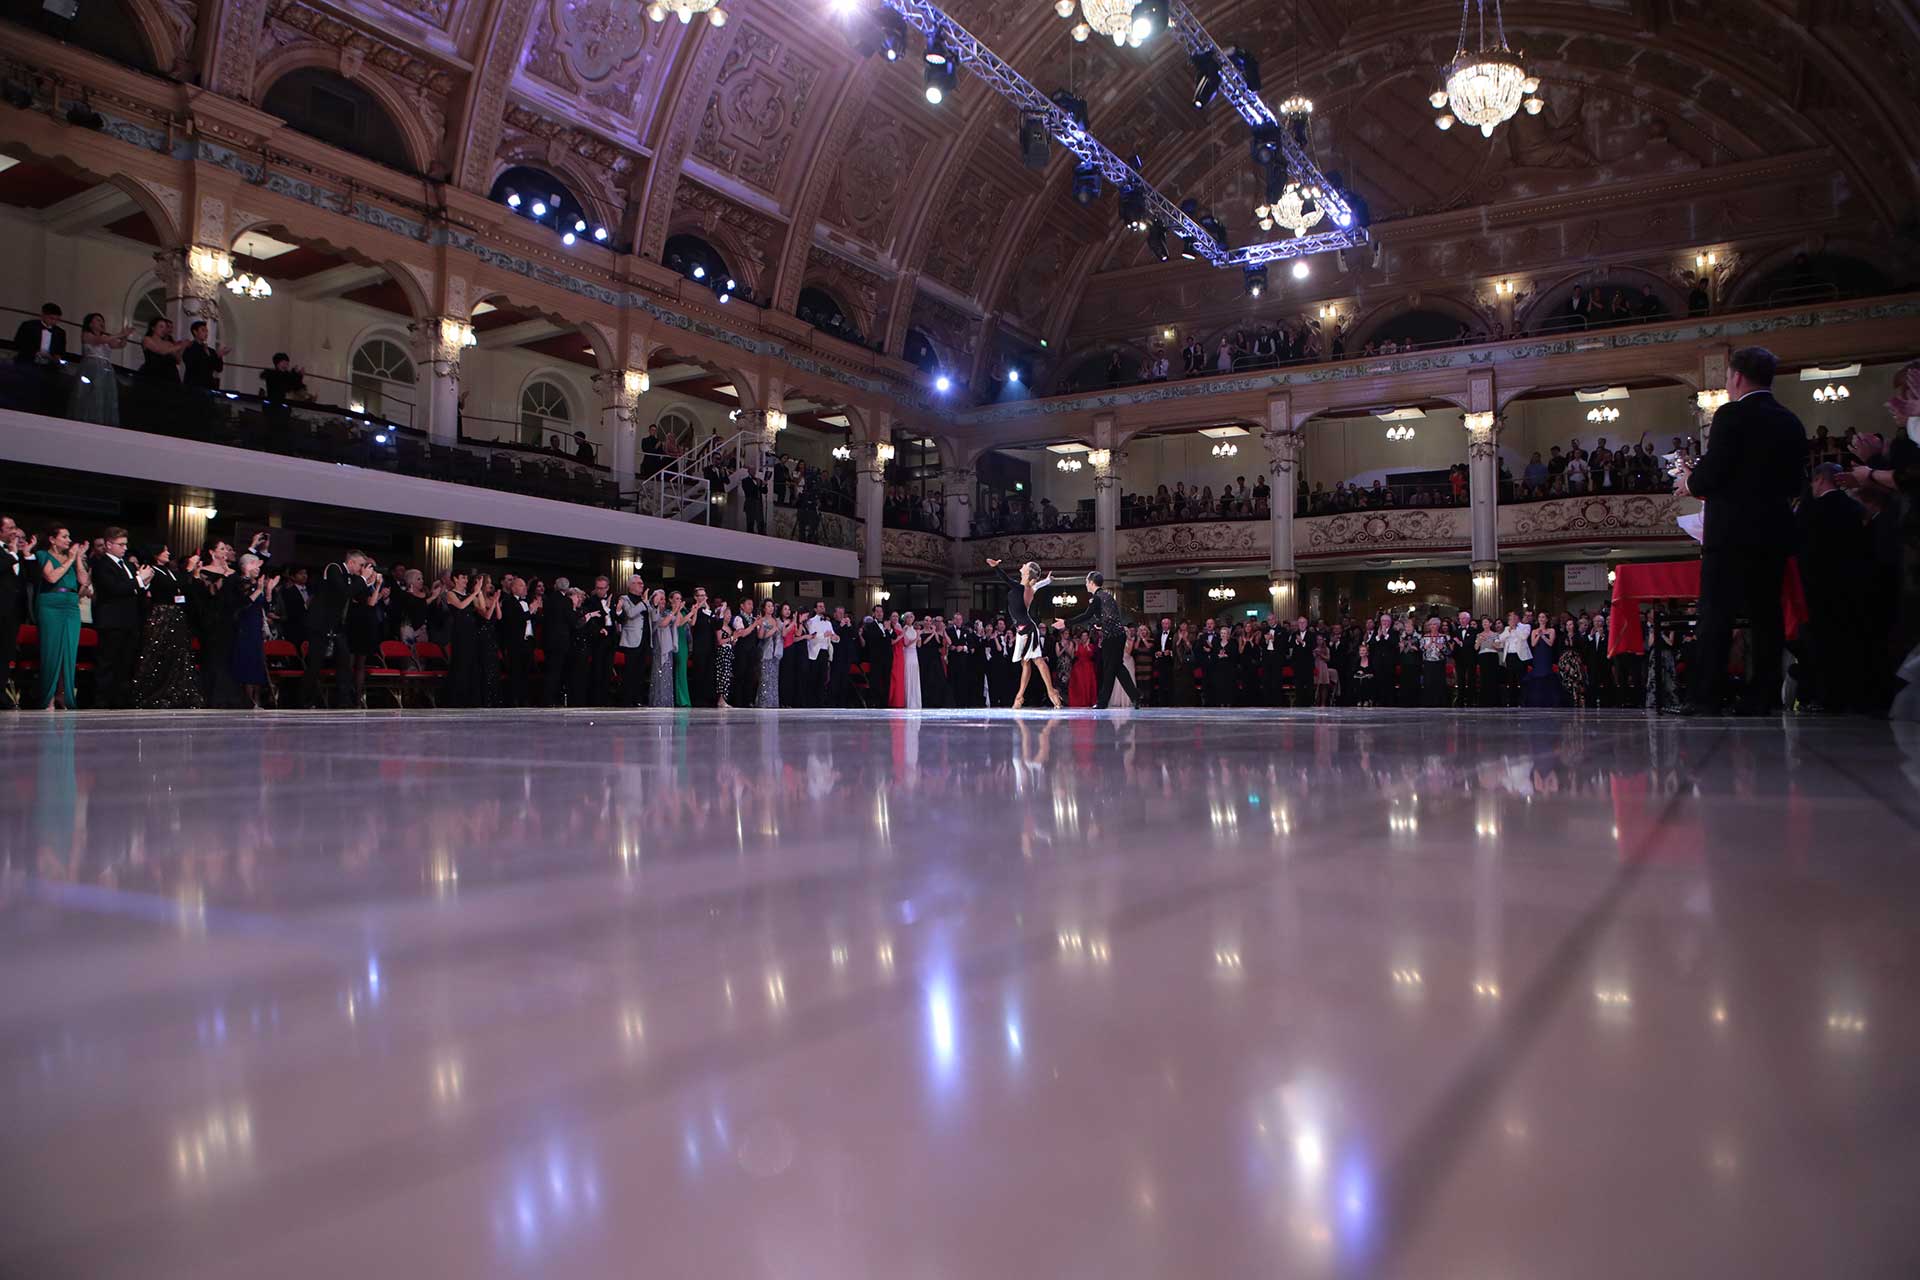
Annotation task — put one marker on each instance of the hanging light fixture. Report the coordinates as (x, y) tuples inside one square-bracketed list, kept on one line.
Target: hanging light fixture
[(1400, 431), (1225, 449), (1111, 18), (685, 9), (1401, 586), (1297, 209), (248, 285), (1603, 413), (1487, 84), (1221, 593), (1069, 465), (1830, 393), (842, 452)]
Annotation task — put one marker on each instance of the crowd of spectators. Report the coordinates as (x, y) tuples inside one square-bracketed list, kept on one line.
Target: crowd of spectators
[(1576, 471)]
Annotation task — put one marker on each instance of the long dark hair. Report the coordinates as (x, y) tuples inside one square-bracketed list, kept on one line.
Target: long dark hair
[(86, 322)]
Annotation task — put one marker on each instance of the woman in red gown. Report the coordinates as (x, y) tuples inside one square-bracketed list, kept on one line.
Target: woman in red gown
[(1084, 689)]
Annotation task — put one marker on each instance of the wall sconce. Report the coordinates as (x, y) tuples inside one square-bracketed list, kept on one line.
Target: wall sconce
[(1703, 260), (884, 452), (1101, 459), (205, 513), (1478, 423), (455, 335), (776, 421), (638, 383), (1711, 400), (203, 261), (1329, 312), (1503, 288)]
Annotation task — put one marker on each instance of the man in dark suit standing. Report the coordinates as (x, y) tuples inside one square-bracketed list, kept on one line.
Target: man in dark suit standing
[(877, 648), (515, 633), (201, 362), (1163, 663), (327, 630), (1836, 560), (42, 342), (1753, 469), (556, 638), (116, 622)]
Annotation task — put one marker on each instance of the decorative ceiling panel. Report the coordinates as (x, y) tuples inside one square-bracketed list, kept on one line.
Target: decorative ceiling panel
[(764, 94), (599, 49), (966, 231), (874, 173)]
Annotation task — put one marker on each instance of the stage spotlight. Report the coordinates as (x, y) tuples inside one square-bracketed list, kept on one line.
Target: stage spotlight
[(731, 286), (1255, 279), (568, 238), (1247, 65), (943, 384), (1206, 80), (1157, 241), (579, 224), (1215, 228), (1035, 145), (1300, 269), (725, 298), (600, 234), (699, 272), (1086, 183), (1149, 16), (539, 208), (893, 34), (937, 52), (1013, 376), (513, 199), (1075, 107), (940, 78), (1264, 145), (1133, 208)]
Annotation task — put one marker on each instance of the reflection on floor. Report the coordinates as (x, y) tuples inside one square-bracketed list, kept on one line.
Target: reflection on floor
[(961, 995)]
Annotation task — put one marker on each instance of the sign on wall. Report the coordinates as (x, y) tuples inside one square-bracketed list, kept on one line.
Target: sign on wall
[(1158, 600), (1586, 577), (810, 589)]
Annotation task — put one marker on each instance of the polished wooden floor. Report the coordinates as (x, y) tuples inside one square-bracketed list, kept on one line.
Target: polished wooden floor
[(1149, 994)]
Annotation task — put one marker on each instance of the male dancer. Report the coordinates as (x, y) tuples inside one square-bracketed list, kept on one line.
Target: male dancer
[(1103, 611), (1029, 648)]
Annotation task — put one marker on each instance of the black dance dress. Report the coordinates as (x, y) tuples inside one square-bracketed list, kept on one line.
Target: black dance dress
[(168, 677), (934, 688)]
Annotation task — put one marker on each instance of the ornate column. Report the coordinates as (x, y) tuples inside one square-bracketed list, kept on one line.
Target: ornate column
[(620, 394), (1282, 440), (1483, 489), (439, 342), (871, 458), (193, 278), (1106, 499)]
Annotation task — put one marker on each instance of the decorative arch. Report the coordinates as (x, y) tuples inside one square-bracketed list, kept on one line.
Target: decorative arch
[(1546, 301), (362, 383), (402, 115), (538, 413), (739, 254), (574, 181), (165, 228), (168, 30), (1366, 328), (1861, 262)]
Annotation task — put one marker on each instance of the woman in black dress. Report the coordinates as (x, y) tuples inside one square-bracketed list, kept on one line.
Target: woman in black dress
[(1222, 673), (463, 640), (486, 616), (168, 677), (213, 608), (1406, 674), (365, 595), (252, 592), (936, 650), (1185, 686)]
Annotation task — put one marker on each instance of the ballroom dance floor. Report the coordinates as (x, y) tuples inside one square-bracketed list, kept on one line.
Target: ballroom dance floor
[(819, 994)]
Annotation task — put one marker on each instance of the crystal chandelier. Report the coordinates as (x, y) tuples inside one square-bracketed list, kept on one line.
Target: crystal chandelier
[(1112, 18), (685, 9), (1400, 586), (1297, 209), (1400, 431), (248, 285), (1830, 393), (1603, 413), (1221, 593), (1225, 449), (1485, 86)]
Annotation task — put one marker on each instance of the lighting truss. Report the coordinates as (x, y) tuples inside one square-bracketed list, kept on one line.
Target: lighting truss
[(997, 74)]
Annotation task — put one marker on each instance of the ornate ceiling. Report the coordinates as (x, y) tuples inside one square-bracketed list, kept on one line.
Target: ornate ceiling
[(806, 164)]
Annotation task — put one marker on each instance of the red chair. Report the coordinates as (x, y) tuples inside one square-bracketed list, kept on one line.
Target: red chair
[(325, 673), (89, 643), (389, 674), (283, 663), (26, 663)]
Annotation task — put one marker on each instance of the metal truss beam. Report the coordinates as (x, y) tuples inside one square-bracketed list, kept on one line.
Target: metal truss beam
[(974, 54)]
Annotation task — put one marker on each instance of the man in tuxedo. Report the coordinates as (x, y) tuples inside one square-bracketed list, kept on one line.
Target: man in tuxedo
[(201, 363), (1163, 663), (16, 561), (515, 634), (327, 630), (1103, 611), (42, 342), (292, 604), (1749, 476), (877, 647), (821, 637), (558, 621), (603, 637), (1836, 563), (1463, 634), (702, 689), (116, 621), (840, 675)]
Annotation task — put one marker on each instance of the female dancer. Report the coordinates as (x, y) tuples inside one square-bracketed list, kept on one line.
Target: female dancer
[(1029, 651)]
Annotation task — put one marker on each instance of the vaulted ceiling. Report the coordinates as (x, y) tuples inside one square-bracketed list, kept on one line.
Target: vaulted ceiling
[(807, 164)]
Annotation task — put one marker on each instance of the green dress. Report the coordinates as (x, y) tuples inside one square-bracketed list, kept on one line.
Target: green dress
[(680, 696), (57, 614)]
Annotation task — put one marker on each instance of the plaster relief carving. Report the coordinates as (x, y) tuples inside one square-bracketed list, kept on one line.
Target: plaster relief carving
[(757, 105), (866, 192)]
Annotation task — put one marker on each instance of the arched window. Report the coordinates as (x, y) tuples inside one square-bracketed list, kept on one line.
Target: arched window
[(540, 197), (919, 351), (544, 411), (335, 110), (823, 311), (675, 427), (109, 30), (152, 306), (697, 260), (381, 371)]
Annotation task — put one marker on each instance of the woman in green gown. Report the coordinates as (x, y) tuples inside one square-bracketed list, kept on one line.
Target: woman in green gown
[(63, 578)]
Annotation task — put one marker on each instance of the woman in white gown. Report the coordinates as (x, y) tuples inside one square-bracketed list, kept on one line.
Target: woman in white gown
[(906, 665)]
